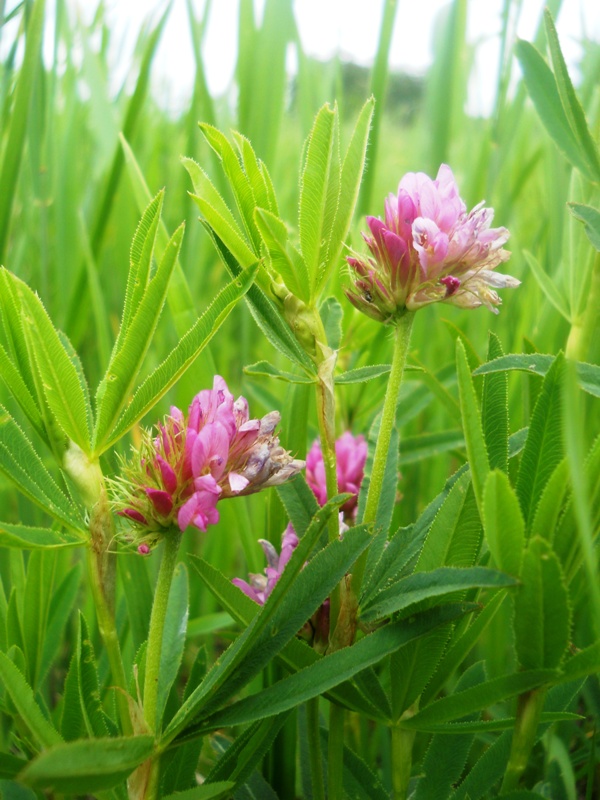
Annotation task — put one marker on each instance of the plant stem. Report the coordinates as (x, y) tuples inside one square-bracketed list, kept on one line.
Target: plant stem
[(529, 709), (314, 749), (102, 574), (402, 745), (335, 754), (582, 329), (388, 422), (172, 540)]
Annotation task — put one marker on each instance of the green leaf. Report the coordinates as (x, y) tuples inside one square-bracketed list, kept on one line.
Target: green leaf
[(18, 388), (316, 175), (209, 623), (299, 502), (455, 535), (330, 670), (28, 538), (542, 609), (174, 637), (285, 259), (124, 366), (218, 216), (426, 585), (585, 662), (591, 221), (477, 698), (87, 766), (543, 448), (16, 136), (240, 758), (140, 263), (266, 315), (542, 88), (157, 384), (238, 180), (295, 655), (61, 384), (10, 766), (24, 701), (332, 315), (547, 285), (570, 103), (460, 647), (362, 374), (539, 364), (445, 759), (350, 182), (217, 790), (551, 503), (265, 369), (21, 464), (503, 522), (282, 616), (256, 173), (476, 450)]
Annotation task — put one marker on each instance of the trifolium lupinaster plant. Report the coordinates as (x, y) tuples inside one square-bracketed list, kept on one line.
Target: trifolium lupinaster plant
[(361, 623)]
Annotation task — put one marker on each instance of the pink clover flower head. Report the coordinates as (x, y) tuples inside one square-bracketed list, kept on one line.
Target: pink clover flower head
[(351, 457), (429, 249), (191, 462), (260, 586)]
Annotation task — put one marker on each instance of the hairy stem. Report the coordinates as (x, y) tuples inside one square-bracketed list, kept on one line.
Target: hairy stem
[(402, 745), (171, 544), (388, 422), (529, 709), (102, 575)]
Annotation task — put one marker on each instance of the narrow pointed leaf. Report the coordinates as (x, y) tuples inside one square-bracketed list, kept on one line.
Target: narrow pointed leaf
[(542, 88), (331, 670), (591, 221), (125, 365), (87, 766), (539, 364), (189, 347), (23, 698), (476, 450), (284, 257), (503, 522), (427, 585), (29, 538), (570, 102), (313, 191), (547, 285)]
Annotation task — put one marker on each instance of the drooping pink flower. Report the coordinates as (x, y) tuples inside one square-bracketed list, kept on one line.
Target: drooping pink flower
[(351, 456), (429, 249), (217, 451), (261, 586)]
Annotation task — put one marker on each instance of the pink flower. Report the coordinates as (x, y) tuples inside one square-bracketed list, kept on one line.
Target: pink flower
[(261, 586), (351, 456), (191, 462), (429, 249)]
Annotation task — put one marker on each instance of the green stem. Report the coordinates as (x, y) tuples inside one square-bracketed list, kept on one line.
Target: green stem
[(529, 709), (102, 573), (314, 749), (172, 541), (582, 329), (108, 632), (388, 422), (335, 753), (402, 745)]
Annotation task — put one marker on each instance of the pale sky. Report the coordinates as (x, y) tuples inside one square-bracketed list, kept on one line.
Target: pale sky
[(348, 27), (351, 27)]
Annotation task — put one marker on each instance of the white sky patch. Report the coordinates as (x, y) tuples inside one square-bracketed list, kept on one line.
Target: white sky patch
[(328, 27)]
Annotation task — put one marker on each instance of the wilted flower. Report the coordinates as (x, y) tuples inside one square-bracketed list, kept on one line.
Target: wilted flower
[(351, 456), (429, 249), (259, 587), (217, 451)]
